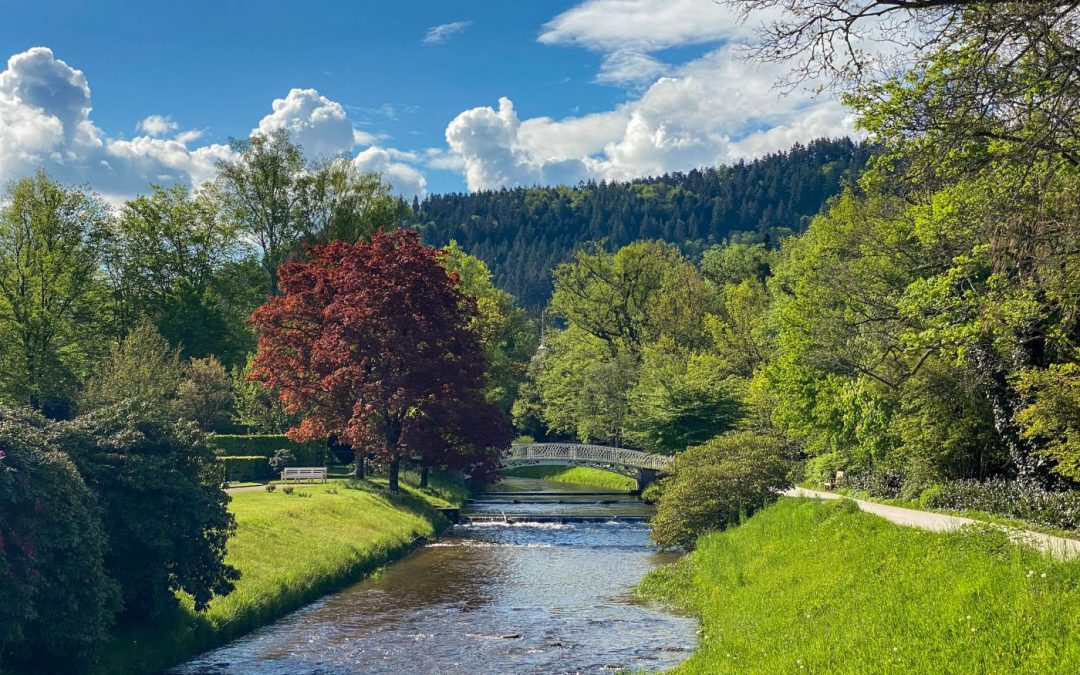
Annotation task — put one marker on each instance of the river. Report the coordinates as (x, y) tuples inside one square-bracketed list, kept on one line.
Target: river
[(492, 597)]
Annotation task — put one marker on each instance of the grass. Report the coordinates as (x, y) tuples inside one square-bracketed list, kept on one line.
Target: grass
[(290, 550), (821, 587), (582, 475)]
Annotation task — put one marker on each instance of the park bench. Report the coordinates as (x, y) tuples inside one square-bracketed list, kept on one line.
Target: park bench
[(304, 472)]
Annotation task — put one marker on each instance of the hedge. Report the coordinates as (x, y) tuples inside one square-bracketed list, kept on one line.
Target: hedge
[(246, 468), (312, 453)]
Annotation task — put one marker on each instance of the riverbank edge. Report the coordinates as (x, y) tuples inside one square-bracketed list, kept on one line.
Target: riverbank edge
[(691, 586), (201, 637)]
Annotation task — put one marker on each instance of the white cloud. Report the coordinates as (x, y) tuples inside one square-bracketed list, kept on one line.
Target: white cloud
[(45, 123), (157, 125), (437, 35), (714, 110), (405, 179), (644, 25), (318, 124), (627, 66)]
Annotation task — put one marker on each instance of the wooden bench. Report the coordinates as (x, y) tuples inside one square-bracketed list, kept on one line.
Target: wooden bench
[(833, 483), (304, 472)]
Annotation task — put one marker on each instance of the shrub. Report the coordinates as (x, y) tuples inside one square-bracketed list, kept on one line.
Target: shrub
[(1014, 499), (270, 487), (288, 489), (713, 485), (281, 459), (313, 453), (164, 512), (822, 467), (56, 601), (881, 483), (245, 468)]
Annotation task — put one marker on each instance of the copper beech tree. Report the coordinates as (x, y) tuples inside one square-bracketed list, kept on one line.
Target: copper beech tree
[(369, 342)]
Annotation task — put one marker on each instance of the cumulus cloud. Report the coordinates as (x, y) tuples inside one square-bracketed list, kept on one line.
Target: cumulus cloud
[(405, 179), (45, 123), (318, 124), (713, 110), (157, 125), (437, 35)]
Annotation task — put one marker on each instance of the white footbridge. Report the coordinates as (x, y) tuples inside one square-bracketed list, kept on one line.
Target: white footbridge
[(643, 466)]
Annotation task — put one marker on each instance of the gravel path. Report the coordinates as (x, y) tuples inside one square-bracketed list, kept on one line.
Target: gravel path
[(1059, 547)]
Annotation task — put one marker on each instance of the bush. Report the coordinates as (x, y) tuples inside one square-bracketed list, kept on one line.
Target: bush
[(880, 483), (270, 487), (56, 600), (281, 459), (164, 512), (822, 467), (713, 485), (252, 468), (1012, 499), (313, 453)]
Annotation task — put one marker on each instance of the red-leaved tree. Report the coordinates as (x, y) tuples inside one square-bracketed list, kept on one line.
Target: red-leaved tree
[(369, 342)]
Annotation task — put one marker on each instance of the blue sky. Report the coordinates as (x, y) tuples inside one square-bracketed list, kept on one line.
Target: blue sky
[(442, 96)]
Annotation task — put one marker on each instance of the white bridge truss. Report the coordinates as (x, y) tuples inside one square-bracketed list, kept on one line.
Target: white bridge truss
[(601, 456)]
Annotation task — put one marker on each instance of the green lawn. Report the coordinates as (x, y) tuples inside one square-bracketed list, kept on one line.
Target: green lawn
[(806, 586), (581, 475), (290, 550)]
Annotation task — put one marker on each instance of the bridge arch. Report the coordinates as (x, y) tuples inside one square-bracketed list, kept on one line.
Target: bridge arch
[(643, 466)]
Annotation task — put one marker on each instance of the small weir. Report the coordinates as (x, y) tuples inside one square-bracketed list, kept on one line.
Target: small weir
[(537, 577)]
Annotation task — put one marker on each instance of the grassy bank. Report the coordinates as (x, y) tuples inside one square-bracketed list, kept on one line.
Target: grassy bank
[(581, 475), (290, 549), (806, 586)]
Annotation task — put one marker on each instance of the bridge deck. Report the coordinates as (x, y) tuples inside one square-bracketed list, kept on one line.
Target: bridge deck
[(583, 455)]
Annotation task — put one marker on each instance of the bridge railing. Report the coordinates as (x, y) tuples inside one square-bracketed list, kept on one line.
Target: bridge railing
[(598, 454)]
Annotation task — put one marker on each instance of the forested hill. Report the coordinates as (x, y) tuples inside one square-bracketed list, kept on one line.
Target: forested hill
[(522, 233)]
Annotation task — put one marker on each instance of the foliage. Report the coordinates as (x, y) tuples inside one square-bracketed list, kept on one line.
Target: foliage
[(679, 402), (407, 377), (505, 332), (51, 297), (173, 258), (1052, 414), (283, 457), (713, 485), (1016, 499), (791, 576), (523, 233), (58, 600), (309, 453), (163, 510), (142, 367), (206, 394), (245, 468), (258, 407)]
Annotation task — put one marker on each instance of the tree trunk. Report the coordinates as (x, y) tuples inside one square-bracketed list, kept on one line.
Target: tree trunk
[(395, 470), (424, 470), (358, 467)]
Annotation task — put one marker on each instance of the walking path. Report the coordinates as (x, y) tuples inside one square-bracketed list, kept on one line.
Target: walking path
[(1059, 547)]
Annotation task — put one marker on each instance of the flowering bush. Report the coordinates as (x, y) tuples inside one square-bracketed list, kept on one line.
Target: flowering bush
[(1013, 499)]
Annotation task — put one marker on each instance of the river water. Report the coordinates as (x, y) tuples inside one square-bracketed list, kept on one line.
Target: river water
[(493, 597)]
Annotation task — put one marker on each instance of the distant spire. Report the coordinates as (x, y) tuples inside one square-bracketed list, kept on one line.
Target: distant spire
[(543, 348)]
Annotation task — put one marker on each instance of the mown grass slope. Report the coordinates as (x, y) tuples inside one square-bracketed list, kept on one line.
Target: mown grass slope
[(290, 549), (582, 475), (806, 586)]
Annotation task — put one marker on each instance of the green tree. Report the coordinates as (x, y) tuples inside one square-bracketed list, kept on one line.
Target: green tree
[(205, 395), (505, 332), (1052, 414), (143, 367), (51, 295)]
